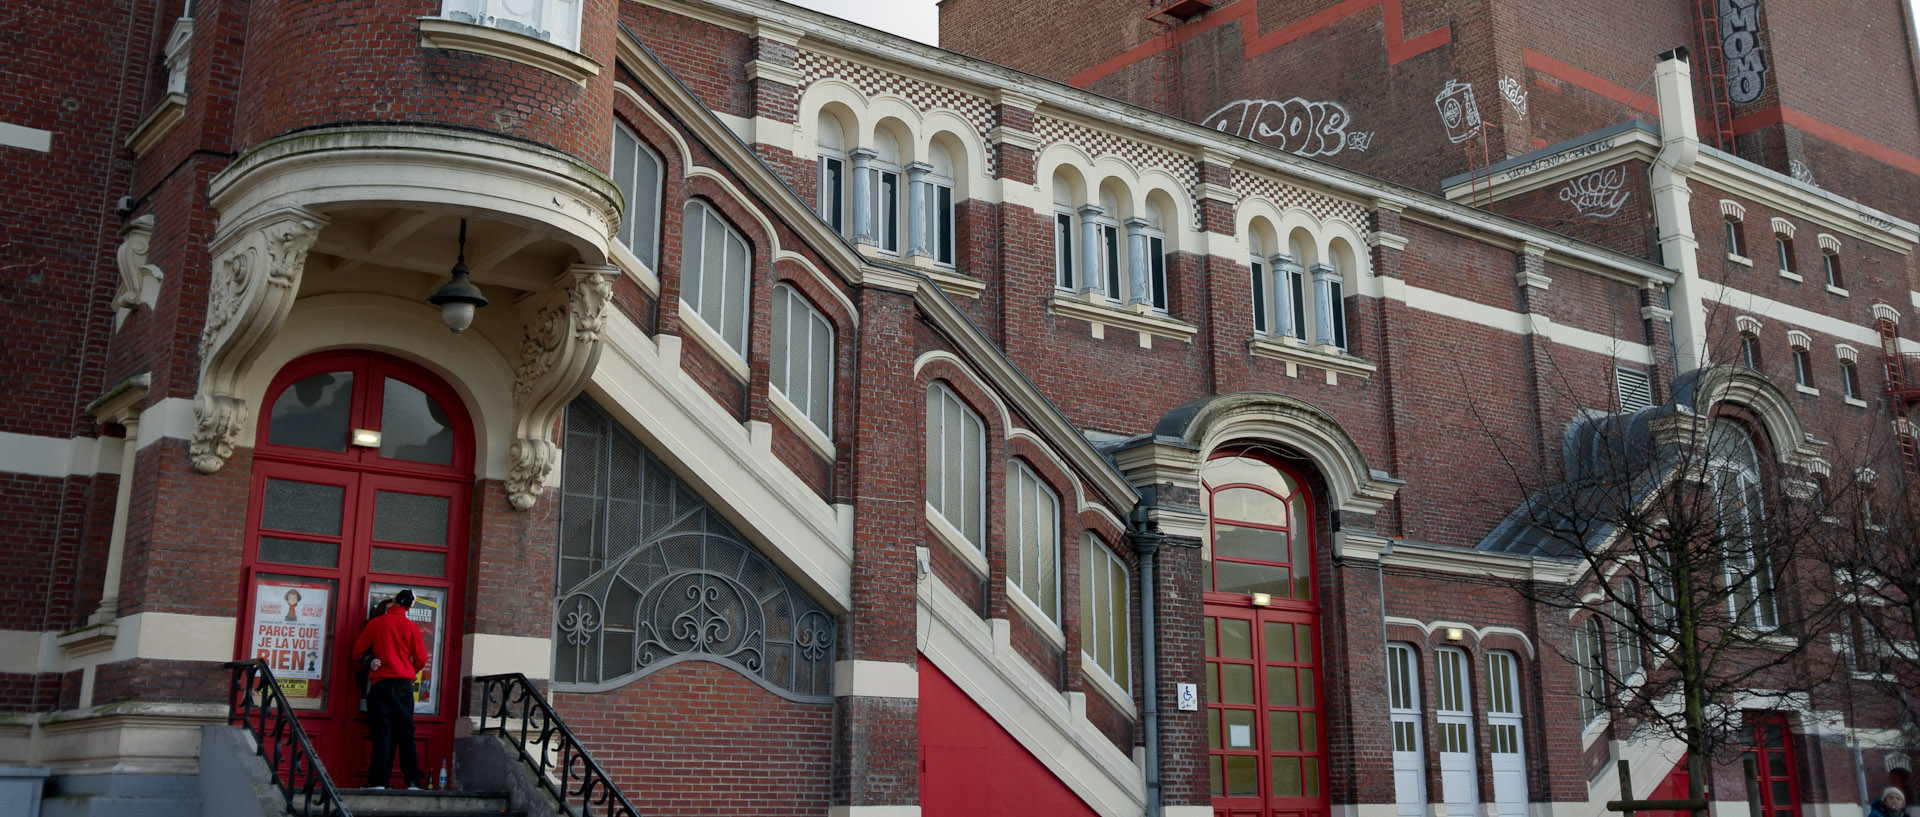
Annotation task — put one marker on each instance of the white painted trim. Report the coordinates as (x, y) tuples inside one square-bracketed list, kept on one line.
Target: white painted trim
[(21, 136), (875, 679), (59, 457), (169, 418), (1792, 315), (955, 540), (873, 811), (492, 654), (1107, 687), (1458, 308), (801, 424), (1035, 616), (710, 340), (1479, 633), (437, 32), (633, 266)]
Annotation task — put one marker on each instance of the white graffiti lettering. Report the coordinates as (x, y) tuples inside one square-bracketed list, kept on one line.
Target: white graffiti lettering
[(1458, 112), (1599, 194), (1801, 173), (1297, 125), (1515, 94), (1553, 160), (1740, 42)]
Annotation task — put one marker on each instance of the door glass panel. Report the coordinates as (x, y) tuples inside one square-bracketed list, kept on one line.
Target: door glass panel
[(412, 518), (1780, 796), (302, 507), (1776, 764), (1309, 731), (1283, 731), (1234, 542), (1281, 689), (299, 552), (1213, 729), (315, 412), (1242, 577), (1243, 778), (1213, 682), (1249, 505), (1306, 687), (429, 614), (1239, 724), (1286, 777), (413, 426), (1310, 776), (1279, 641), (1213, 645), (414, 562), (1215, 775), (1236, 684), (1235, 638)]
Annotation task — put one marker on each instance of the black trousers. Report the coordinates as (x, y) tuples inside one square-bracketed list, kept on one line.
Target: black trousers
[(390, 714)]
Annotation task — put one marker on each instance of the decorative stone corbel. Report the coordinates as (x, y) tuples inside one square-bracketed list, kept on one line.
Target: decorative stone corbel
[(256, 274), (557, 356), (139, 280)]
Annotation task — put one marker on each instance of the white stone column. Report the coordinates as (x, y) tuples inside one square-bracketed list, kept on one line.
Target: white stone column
[(919, 209), (1139, 291), (1323, 278), (1280, 268), (1092, 277), (863, 194), (121, 406)]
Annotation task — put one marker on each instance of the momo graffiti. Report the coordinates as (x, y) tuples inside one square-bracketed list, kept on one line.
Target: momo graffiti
[(1599, 194), (1801, 173), (1458, 111), (1740, 42), (1298, 125), (1515, 94)]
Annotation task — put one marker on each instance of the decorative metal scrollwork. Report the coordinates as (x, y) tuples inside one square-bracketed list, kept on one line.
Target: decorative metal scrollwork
[(650, 576)]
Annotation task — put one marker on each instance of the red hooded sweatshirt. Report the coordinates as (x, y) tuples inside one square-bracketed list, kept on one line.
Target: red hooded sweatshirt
[(396, 642)]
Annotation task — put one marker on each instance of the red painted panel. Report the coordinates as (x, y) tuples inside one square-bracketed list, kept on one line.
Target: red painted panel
[(970, 767)]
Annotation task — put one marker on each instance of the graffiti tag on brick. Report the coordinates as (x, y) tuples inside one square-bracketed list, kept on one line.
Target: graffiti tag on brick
[(1554, 160), (1740, 42), (1599, 194), (1299, 125), (1458, 112), (1515, 94)]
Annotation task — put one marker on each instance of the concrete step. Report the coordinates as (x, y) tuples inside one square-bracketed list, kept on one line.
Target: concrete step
[(400, 803)]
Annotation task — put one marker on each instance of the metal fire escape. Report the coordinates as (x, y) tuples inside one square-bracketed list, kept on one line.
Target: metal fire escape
[(1903, 392), (1716, 110), (1163, 16)]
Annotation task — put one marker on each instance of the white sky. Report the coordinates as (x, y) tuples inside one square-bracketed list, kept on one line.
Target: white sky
[(913, 19)]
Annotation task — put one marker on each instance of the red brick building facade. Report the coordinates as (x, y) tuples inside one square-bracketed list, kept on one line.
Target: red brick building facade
[(855, 427)]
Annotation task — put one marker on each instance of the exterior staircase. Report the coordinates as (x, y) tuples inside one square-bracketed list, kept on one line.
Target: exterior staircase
[(392, 803)]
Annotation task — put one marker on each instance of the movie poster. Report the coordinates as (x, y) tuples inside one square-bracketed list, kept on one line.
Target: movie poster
[(429, 614), (291, 620)]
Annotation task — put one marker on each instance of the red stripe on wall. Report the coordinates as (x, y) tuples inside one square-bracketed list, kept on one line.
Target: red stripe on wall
[(1398, 48), (1591, 82)]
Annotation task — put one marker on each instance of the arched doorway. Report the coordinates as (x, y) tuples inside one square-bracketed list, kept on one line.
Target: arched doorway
[(362, 477), (1267, 745)]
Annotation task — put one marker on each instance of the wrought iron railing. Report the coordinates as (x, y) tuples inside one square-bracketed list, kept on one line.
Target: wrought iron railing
[(512, 708), (255, 703)]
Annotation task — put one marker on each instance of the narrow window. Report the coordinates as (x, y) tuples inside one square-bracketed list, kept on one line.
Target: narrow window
[(1736, 238), (1785, 247), (636, 171), (1453, 706), (942, 228), (1104, 617), (1110, 260), (833, 170), (1660, 587), (1063, 250), (1734, 471), (1033, 540), (1157, 271), (1337, 313), (1626, 643), (1261, 324), (1749, 351), (1802, 367), (1508, 751), (1861, 646), (1296, 284), (1403, 710), (1592, 677), (886, 209), (1833, 270), (803, 356), (1850, 378), (956, 458), (713, 276)]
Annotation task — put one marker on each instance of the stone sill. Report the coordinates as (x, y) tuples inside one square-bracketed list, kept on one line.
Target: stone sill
[(1791, 276), (1838, 291), (88, 640), (437, 32), (1095, 309), (157, 123), (1740, 259), (1329, 358), (953, 283)]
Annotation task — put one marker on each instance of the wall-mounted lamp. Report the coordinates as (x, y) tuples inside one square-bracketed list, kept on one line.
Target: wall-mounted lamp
[(458, 297), (1262, 599), (1456, 634), (364, 438)]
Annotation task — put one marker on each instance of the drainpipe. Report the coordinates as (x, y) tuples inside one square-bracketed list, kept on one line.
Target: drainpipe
[(1679, 249), (1146, 544)]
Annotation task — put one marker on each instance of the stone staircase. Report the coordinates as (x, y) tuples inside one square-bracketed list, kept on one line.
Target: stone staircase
[(394, 803)]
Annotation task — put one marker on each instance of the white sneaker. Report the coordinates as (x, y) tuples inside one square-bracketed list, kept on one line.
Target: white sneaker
[(415, 788), (376, 788)]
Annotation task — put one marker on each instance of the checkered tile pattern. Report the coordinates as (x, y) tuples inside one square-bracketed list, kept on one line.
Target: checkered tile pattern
[(872, 82), (1098, 143), (1286, 196)]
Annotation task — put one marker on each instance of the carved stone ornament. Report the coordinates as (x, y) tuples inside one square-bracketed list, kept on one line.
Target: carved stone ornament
[(139, 280), (557, 355), (256, 274)]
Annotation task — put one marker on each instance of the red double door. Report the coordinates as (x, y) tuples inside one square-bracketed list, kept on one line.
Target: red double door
[(361, 485)]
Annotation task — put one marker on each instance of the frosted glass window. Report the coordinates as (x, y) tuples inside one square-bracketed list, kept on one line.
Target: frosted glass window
[(413, 426), (315, 412), (636, 171), (956, 464), (1104, 618), (412, 518), (1033, 540), (413, 562), (803, 356), (302, 507), (713, 276)]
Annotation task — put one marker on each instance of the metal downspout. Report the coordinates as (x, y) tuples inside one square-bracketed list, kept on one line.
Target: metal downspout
[(1146, 544)]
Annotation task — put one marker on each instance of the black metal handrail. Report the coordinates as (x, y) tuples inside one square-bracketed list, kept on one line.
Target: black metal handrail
[(563, 766), (255, 703)]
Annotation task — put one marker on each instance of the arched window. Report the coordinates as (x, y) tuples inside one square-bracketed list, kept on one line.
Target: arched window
[(1508, 743), (884, 183), (802, 361), (1591, 664), (832, 179), (713, 274), (1033, 540), (1262, 306), (956, 458), (1734, 469), (1065, 231), (1453, 710), (636, 171), (940, 205), (1627, 660), (1105, 623), (1403, 710)]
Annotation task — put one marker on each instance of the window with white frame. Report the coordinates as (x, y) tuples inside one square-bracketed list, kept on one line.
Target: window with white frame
[(1508, 745), (1105, 624), (1736, 237), (884, 188), (1262, 320), (956, 458), (1108, 232), (1063, 238), (1157, 270), (1863, 646), (713, 274), (555, 21), (1290, 284), (1337, 307), (1802, 360), (1734, 471), (802, 364), (940, 206), (1783, 243), (636, 171), (1403, 710), (1626, 648), (832, 179), (1453, 710), (1664, 607), (1749, 350), (1033, 540), (1590, 664), (1833, 270), (1850, 379)]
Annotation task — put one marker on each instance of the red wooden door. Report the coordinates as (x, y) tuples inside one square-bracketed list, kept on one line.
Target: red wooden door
[(1773, 749), (361, 485)]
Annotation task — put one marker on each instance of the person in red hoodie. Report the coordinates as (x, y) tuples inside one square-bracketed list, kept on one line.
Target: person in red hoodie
[(399, 654)]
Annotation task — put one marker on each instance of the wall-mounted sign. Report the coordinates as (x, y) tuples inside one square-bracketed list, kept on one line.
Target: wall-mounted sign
[(1187, 697), (292, 617)]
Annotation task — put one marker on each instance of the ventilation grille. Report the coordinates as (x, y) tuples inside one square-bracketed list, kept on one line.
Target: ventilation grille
[(1636, 390)]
